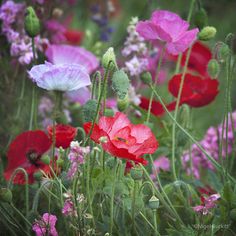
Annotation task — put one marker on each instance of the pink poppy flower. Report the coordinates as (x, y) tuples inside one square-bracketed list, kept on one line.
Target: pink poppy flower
[(170, 28)]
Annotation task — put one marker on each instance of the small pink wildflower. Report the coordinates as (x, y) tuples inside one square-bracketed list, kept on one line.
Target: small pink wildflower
[(207, 203), (46, 225), (170, 28)]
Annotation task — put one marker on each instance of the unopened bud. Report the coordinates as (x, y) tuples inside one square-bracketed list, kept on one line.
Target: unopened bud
[(136, 173), (109, 59), (45, 159), (38, 175), (108, 112), (207, 33), (57, 12), (154, 202), (32, 24), (103, 139), (60, 162), (224, 52), (122, 104), (89, 110), (213, 68), (146, 77), (5, 195)]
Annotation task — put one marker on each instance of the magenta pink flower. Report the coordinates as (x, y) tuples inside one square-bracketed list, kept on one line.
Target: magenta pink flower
[(207, 203), (170, 28), (46, 225), (161, 163)]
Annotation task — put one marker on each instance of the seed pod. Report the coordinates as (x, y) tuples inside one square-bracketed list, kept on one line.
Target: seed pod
[(154, 202), (213, 68), (207, 33), (32, 24), (45, 159)]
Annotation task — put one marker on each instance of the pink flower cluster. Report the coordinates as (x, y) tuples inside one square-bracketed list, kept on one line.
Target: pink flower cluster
[(210, 143), (46, 225), (76, 158), (12, 16), (135, 48)]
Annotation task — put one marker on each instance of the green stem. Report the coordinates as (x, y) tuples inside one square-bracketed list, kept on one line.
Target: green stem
[(155, 219), (133, 202), (155, 84)]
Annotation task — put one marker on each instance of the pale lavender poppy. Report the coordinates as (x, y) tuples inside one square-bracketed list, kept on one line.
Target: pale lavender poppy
[(65, 77), (170, 28), (66, 54)]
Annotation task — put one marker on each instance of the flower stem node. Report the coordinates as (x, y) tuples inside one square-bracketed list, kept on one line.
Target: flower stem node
[(136, 173), (207, 33), (232, 214), (45, 159), (32, 24), (5, 195), (122, 104), (201, 18), (38, 175), (109, 59), (89, 110), (154, 203), (213, 68), (224, 52), (146, 77), (120, 84)]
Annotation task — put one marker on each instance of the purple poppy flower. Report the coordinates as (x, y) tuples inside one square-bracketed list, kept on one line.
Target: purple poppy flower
[(170, 28), (66, 54), (161, 163), (46, 225), (66, 77)]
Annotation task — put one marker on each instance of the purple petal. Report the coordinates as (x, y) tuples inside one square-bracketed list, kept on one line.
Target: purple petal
[(164, 15), (147, 30)]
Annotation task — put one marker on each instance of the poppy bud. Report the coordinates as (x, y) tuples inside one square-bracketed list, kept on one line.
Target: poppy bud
[(32, 24), (200, 18), (57, 12), (89, 110), (136, 173), (120, 83), (153, 202), (146, 77), (213, 68), (60, 162), (109, 58), (45, 159), (122, 104), (38, 175), (5, 195), (224, 52), (207, 33), (109, 112), (232, 214)]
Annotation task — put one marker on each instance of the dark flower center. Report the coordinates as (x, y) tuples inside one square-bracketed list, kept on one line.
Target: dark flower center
[(33, 156)]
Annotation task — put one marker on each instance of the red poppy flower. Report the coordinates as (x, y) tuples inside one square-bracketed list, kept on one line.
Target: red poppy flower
[(199, 58), (197, 92), (74, 37), (156, 108), (123, 139), (64, 134), (25, 151)]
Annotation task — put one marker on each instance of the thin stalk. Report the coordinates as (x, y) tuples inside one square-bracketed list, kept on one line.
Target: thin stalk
[(210, 158), (133, 202), (155, 219), (155, 83)]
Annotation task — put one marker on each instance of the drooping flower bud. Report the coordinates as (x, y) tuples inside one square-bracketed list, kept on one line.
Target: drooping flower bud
[(5, 195), (154, 202), (32, 24), (45, 159), (89, 110), (207, 33), (200, 18), (109, 59), (38, 175), (120, 83), (224, 52), (136, 173), (146, 77), (122, 104), (213, 68)]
